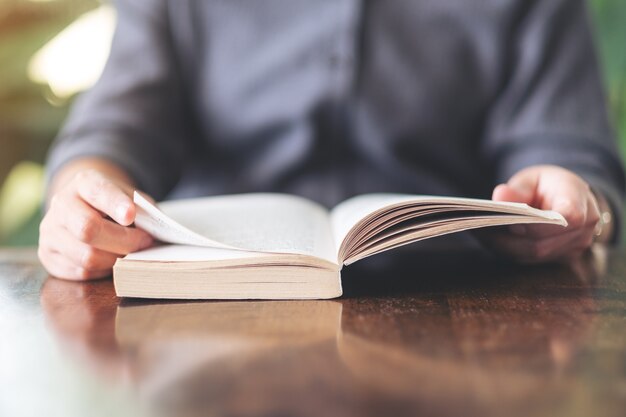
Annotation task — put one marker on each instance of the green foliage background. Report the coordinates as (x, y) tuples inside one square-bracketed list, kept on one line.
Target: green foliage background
[(609, 18), (29, 117)]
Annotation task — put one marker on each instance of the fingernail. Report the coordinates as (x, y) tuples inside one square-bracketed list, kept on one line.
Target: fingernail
[(121, 211), (518, 229)]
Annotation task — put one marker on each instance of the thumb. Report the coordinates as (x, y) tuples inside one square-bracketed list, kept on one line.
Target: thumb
[(504, 192), (507, 192), (521, 188)]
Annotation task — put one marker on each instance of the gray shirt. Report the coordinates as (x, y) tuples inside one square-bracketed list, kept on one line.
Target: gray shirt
[(332, 98)]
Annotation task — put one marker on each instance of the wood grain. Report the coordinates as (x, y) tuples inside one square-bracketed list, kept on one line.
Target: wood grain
[(435, 334)]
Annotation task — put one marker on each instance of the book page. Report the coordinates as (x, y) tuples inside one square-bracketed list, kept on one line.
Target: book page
[(184, 253), (151, 219), (274, 223), (348, 214)]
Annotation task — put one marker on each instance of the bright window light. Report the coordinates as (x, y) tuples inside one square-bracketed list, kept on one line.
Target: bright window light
[(74, 59)]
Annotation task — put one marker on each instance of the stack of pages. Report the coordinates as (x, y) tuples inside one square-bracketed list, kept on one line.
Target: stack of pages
[(276, 246)]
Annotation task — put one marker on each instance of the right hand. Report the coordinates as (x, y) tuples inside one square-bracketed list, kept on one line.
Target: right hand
[(77, 240)]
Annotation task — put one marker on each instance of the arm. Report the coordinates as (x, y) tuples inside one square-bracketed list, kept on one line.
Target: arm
[(126, 132), (134, 117), (549, 139)]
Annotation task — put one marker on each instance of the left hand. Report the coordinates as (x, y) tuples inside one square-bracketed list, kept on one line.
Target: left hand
[(547, 187)]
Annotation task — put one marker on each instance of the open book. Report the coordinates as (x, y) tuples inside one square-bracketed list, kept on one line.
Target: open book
[(277, 246)]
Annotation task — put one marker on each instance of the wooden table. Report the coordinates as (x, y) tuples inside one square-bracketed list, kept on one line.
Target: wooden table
[(434, 335)]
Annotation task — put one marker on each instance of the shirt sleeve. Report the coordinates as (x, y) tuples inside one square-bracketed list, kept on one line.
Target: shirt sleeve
[(133, 115), (552, 109)]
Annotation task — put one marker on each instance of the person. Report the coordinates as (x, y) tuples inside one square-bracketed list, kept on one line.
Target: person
[(333, 98)]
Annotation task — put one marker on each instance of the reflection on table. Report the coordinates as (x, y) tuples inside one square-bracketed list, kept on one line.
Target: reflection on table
[(468, 337)]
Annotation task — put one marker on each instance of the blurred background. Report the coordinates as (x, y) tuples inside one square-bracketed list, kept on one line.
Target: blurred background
[(51, 50)]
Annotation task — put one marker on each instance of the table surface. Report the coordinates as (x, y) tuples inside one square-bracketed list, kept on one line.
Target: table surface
[(438, 334)]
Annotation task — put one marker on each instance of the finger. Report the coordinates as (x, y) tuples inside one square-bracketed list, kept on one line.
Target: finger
[(593, 210), (579, 210), (538, 231), (86, 225), (550, 188), (78, 253), (571, 203), (530, 250), (59, 267), (557, 247), (567, 245), (520, 194), (104, 195), (521, 188), (588, 216)]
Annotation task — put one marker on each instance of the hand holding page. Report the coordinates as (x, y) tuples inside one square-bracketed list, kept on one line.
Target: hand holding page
[(281, 246), (251, 222)]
